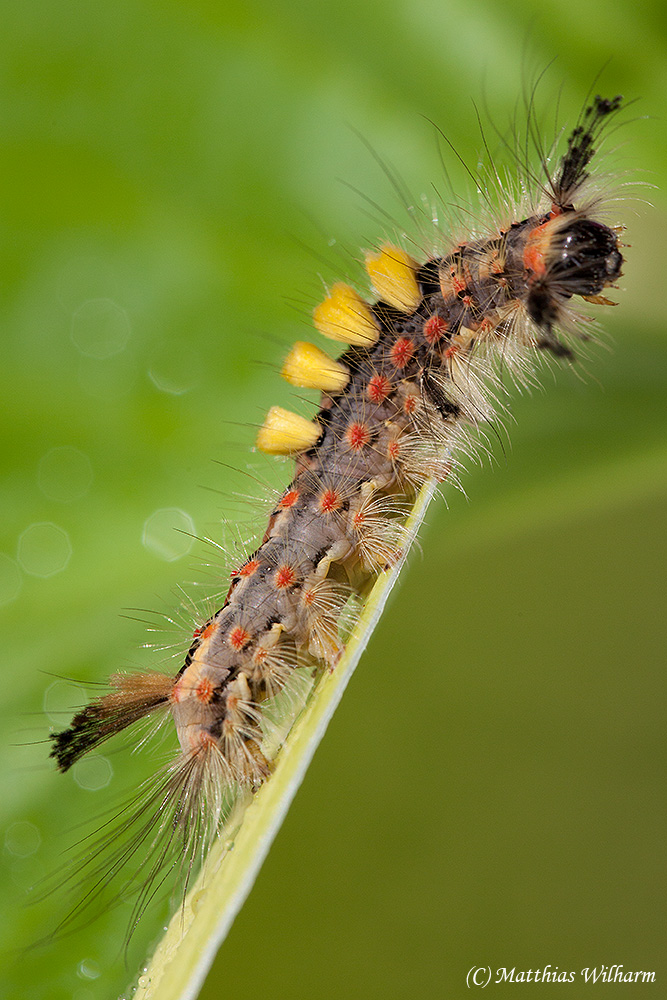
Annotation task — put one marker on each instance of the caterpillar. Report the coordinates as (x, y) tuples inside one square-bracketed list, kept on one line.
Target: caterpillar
[(418, 379)]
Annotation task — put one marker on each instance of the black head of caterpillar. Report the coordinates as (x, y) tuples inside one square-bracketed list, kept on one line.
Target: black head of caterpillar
[(568, 253), (568, 256), (416, 377), (585, 258)]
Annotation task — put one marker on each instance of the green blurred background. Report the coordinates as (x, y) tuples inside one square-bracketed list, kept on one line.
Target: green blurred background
[(172, 194)]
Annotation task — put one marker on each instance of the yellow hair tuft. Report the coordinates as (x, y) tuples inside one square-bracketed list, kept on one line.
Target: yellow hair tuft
[(309, 367), (284, 432), (346, 317), (393, 274)]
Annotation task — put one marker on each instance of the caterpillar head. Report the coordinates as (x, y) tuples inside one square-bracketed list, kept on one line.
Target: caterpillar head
[(586, 258), (568, 254)]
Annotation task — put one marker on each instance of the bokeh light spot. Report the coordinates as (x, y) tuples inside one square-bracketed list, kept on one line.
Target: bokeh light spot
[(44, 549), (10, 579), (100, 328), (88, 969), (22, 839), (61, 699), (168, 533), (93, 773), (174, 370)]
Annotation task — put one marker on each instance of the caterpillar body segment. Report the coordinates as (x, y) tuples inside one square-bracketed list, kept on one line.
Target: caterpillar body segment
[(416, 377)]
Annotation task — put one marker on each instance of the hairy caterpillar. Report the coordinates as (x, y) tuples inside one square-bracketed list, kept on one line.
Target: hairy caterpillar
[(398, 405)]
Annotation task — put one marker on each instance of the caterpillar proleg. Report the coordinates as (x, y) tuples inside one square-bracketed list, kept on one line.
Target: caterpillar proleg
[(419, 378)]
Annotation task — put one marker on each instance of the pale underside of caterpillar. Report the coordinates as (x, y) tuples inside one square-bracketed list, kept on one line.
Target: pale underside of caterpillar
[(415, 381)]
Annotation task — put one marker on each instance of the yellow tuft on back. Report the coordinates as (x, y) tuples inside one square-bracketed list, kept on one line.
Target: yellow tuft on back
[(346, 317), (310, 368), (392, 272), (284, 432)]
